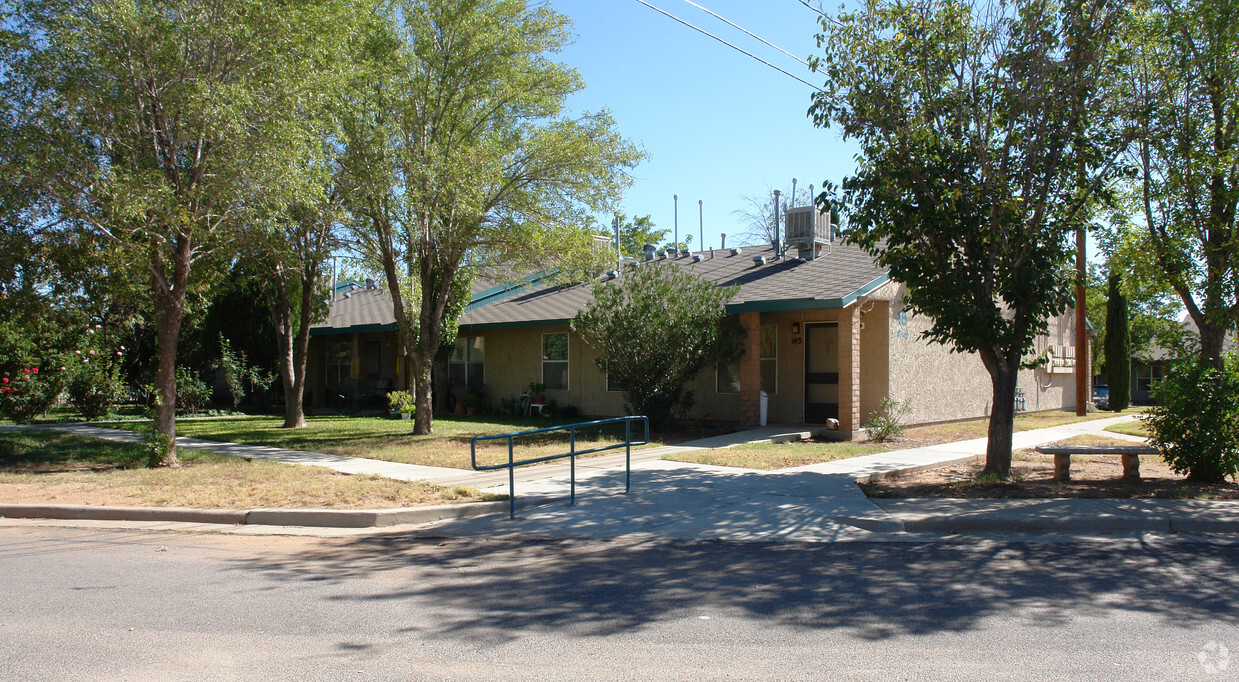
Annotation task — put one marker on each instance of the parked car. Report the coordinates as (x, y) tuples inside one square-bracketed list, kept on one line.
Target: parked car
[(1101, 397)]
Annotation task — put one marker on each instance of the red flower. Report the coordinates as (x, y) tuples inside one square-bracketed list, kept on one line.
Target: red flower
[(35, 370), (26, 371)]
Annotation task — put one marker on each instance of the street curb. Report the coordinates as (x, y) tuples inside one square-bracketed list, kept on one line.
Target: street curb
[(962, 525), (322, 518), (916, 468)]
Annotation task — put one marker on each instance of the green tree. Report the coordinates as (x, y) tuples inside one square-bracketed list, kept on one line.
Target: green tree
[(464, 155), (160, 126), (1182, 89), (635, 233), (653, 330), (1118, 347), (981, 138)]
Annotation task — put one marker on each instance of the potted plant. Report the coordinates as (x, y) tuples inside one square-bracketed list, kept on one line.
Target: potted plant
[(537, 392), (402, 402), (473, 398)]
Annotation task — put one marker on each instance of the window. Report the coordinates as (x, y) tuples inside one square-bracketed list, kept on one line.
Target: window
[(613, 384), (1147, 377), (339, 362), (555, 361), (770, 358), (468, 361), (727, 377)]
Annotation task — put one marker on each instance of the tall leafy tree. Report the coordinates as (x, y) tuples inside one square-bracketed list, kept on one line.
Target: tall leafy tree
[(1118, 347), (1183, 97), (982, 140), (465, 154), (160, 125)]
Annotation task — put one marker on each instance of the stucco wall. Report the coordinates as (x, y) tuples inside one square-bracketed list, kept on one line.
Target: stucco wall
[(942, 385)]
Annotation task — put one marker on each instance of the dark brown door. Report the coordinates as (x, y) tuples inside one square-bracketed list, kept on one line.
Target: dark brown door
[(821, 380)]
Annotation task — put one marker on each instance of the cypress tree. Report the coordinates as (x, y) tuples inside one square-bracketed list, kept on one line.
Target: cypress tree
[(1118, 347)]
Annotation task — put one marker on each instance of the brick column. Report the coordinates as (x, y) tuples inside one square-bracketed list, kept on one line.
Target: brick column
[(849, 369), (750, 371)]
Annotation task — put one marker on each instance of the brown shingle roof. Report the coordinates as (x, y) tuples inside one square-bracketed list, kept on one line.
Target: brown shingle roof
[(831, 281), (834, 280)]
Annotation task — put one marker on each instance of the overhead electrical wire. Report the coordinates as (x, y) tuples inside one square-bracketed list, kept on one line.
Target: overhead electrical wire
[(741, 28), (734, 47)]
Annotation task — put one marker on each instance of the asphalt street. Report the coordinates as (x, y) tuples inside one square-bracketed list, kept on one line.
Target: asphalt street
[(111, 604)]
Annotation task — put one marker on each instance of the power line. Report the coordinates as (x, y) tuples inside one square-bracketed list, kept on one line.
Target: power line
[(734, 47), (741, 28), (806, 4)]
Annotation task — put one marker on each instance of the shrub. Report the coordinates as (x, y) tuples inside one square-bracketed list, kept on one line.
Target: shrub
[(1195, 421), (94, 389), (239, 374), (27, 394), (401, 402), (94, 377), (886, 422), (192, 393), (653, 330)]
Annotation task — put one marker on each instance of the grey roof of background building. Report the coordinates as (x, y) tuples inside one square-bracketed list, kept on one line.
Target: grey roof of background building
[(834, 280)]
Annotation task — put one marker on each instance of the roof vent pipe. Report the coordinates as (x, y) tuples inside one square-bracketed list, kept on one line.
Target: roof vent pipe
[(777, 195), (723, 242), (696, 258)]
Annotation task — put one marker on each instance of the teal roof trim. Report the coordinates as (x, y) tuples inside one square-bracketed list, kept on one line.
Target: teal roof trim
[(793, 304), (505, 291)]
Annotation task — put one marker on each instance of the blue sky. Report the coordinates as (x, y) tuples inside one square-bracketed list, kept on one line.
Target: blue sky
[(717, 125)]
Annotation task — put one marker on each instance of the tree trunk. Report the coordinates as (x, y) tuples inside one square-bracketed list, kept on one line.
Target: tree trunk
[(1003, 374), (1118, 347), (423, 393), (1212, 337), (169, 310)]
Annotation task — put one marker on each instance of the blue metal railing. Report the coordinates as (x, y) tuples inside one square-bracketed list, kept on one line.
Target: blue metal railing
[(572, 453)]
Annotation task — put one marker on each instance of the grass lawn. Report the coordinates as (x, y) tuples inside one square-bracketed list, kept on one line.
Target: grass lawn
[(1136, 428), (59, 468), (392, 439), (768, 456), (946, 433)]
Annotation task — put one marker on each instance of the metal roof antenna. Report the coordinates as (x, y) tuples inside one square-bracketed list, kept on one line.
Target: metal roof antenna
[(701, 234), (676, 243)]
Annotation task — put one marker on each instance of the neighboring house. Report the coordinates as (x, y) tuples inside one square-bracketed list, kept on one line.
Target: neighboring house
[(353, 355), (1148, 369), (827, 337)]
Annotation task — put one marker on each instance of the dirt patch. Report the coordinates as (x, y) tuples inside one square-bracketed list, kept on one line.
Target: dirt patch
[(1033, 477)]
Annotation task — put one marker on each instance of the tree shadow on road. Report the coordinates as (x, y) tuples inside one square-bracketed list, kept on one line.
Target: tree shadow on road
[(497, 590)]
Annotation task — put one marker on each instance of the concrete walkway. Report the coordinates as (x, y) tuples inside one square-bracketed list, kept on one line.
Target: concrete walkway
[(818, 502)]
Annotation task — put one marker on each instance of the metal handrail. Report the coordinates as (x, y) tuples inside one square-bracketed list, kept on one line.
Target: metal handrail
[(572, 453)]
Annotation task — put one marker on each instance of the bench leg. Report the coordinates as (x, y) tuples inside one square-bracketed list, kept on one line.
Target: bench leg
[(1131, 467), (1062, 467)]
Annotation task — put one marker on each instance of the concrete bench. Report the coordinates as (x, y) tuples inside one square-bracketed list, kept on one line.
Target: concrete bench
[(1129, 453)]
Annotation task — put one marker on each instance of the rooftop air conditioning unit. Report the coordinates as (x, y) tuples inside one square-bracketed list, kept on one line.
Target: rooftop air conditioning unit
[(808, 229)]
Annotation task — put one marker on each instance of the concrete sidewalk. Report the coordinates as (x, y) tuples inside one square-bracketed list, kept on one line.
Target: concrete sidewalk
[(819, 502)]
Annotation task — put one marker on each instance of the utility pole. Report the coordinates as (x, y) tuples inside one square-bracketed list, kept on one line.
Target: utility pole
[(1083, 366)]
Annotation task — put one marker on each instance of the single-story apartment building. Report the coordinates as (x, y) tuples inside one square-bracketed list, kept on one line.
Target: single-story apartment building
[(827, 337)]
